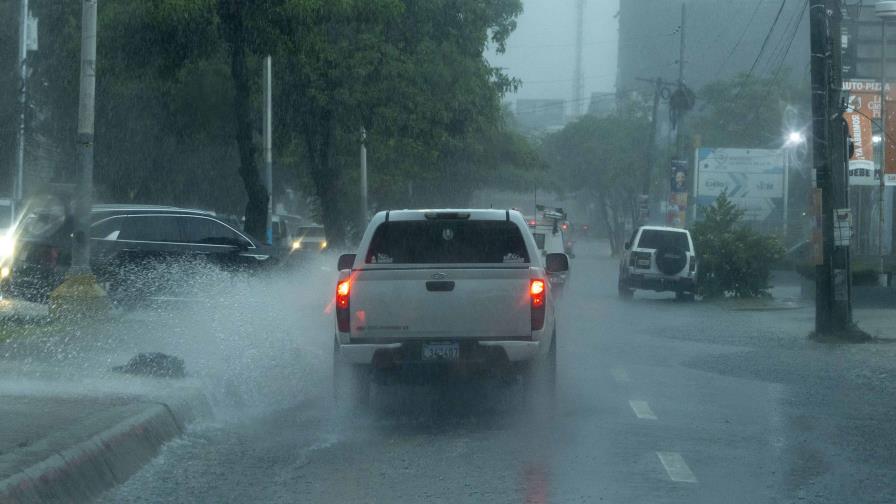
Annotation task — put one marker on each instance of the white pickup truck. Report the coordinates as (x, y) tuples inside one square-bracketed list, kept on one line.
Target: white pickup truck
[(454, 289)]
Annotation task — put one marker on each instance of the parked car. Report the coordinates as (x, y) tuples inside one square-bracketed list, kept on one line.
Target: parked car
[(440, 289), (659, 259), (132, 249)]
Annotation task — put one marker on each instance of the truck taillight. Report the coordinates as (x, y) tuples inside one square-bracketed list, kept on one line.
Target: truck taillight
[(692, 264), (343, 289), (537, 291)]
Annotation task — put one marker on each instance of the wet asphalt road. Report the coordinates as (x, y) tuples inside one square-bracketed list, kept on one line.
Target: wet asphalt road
[(659, 401)]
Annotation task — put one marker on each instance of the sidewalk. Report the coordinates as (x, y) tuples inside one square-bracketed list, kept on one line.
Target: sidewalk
[(71, 449), (68, 433)]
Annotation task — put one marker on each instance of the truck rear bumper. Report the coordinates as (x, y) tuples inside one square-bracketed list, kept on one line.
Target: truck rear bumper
[(389, 354)]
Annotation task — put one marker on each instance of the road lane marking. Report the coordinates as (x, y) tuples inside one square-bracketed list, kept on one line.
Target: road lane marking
[(619, 374), (642, 410), (676, 467)]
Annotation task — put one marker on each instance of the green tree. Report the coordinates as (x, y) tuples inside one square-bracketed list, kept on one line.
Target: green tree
[(603, 158), (745, 111), (734, 260), (178, 109)]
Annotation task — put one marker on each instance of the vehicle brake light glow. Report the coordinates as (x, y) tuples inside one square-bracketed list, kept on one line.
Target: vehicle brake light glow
[(343, 289), (537, 287)]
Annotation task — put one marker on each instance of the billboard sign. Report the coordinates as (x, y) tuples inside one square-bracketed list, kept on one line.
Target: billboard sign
[(865, 107), (753, 179), (677, 207), (861, 108)]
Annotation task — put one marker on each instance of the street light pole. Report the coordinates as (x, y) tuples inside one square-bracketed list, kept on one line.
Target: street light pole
[(86, 107), (268, 152), (23, 76), (363, 177)]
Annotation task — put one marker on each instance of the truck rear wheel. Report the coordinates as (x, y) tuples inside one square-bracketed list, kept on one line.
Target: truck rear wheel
[(540, 378), (351, 382)]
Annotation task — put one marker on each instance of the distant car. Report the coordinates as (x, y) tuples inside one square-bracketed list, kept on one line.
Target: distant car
[(549, 240), (309, 239), (659, 259), (132, 248)]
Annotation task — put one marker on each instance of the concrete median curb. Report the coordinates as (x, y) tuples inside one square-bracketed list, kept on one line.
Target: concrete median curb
[(86, 469)]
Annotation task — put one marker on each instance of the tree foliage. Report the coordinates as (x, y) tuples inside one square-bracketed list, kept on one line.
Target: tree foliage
[(179, 100), (603, 158), (734, 260), (745, 111)]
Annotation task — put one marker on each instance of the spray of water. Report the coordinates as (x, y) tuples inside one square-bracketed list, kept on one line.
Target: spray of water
[(251, 343)]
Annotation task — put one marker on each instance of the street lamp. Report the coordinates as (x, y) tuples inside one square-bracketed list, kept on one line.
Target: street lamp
[(885, 11), (795, 138)]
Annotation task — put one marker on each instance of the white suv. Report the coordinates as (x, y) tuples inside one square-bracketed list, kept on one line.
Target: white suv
[(659, 259)]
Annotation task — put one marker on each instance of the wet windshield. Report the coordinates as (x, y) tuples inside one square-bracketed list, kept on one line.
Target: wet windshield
[(448, 251)]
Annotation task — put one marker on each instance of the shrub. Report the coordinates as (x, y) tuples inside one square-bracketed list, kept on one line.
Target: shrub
[(734, 259)]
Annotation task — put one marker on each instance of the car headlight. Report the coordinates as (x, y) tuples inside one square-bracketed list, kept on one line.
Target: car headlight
[(296, 244), (7, 246), (323, 244)]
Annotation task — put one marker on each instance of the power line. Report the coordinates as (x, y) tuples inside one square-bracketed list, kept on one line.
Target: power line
[(767, 37), (737, 100), (740, 39)]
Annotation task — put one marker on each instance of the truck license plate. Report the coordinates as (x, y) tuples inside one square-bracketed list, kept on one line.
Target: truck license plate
[(441, 351), (644, 262)]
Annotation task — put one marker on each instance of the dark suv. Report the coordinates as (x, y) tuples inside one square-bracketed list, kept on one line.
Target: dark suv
[(136, 250)]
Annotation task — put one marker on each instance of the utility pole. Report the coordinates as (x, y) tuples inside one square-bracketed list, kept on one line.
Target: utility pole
[(79, 294), (268, 152), (578, 84), (18, 183), (86, 107), (679, 136), (363, 177), (833, 303)]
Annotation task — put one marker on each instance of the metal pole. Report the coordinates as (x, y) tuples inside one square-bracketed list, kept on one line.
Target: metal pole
[(681, 45), (788, 157), (820, 154), (578, 85), (883, 150), (268, 154), (86, 103), (679, 128), (363, 176), (23, 76)]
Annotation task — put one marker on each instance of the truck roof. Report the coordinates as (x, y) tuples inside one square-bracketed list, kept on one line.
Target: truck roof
[(665, 228), (450, 213)]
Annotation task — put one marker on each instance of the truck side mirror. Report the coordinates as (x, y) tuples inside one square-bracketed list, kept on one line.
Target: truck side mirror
[(346, 261), (628, 245), (556, 263)]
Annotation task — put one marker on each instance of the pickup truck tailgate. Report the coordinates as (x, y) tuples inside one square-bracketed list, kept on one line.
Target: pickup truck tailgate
[(441, 303)]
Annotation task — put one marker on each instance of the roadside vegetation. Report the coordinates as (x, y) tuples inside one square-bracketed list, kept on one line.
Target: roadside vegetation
[(734, 260), (179, 102)]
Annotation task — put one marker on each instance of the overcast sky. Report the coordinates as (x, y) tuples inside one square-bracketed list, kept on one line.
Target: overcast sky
[(541, 51)]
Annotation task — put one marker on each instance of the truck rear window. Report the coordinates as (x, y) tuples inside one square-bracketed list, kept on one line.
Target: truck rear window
[(447, 241)]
